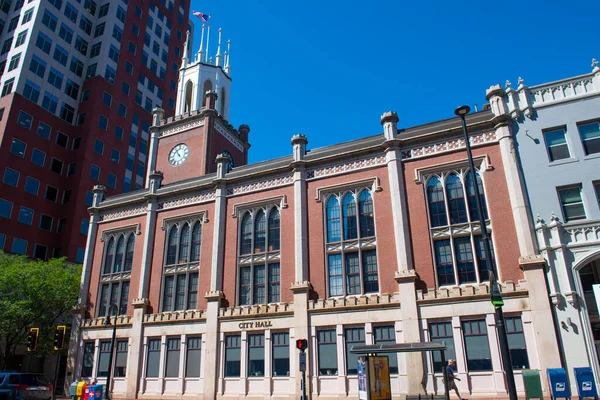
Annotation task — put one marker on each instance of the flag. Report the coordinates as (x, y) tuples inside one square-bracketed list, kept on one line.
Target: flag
[(203, 17)]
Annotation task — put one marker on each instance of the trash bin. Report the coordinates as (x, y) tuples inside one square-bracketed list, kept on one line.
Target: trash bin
[(585, 383), (81, 390), (557, 378), (73, 390), (533, 384)]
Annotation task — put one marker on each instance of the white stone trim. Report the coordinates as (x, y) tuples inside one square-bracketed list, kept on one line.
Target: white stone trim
[(482, 163), (235, 141), (124, 213), (181, 128), (449, 145), (260, 185), (348, 166), (277, 201), (200, 216), (189, 200), (323, 192), (135, 228)]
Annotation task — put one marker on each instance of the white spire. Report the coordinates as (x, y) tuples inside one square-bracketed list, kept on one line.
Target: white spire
[(200, 50), (207, 42), (227, 55), (218, 56), (185, 59)]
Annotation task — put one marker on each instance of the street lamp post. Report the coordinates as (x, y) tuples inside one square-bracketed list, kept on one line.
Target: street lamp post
[(462, 111), (117, 309)]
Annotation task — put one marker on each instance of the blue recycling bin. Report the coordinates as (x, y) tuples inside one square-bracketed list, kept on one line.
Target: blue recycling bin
[(91, 392), (98, 392), (559, 385), (586, 386)]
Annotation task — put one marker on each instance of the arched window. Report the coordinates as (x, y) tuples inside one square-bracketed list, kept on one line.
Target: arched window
[(110, 256), (365, 211), (333, 220), (260, 232), (129, 253), (189, 87), (207, 87), (473, 211), (437, 207), (274, 229), (172, 246), (456, 199), (120, 254), (246, 239), (349, 213), (196, 235), (184, 244)]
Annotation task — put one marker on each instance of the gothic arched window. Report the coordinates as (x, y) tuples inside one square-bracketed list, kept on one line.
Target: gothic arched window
[(333, 219), (456, 199), (208, 86), (172, 246), (437, 206), (274, 229), (180, 272), (473, 211), (109, 256), (189, 88), (129, 253), (120, 254), (196, 235), (258, 258), (351, 269), (458, 252), (117, 264)]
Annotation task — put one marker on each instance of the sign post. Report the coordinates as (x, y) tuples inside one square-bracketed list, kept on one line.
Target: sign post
[(302, 344)]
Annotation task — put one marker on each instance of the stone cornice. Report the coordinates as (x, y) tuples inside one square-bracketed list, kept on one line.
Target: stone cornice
[(301, 287)]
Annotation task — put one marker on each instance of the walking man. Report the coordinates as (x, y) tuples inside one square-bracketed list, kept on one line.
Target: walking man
[(451, 377)]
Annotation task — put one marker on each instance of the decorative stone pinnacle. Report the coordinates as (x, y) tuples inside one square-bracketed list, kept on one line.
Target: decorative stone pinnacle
[(520, 81), (594, 64), (389, 116), (507, 84), (299, 138), (553, 217), (539, 219)]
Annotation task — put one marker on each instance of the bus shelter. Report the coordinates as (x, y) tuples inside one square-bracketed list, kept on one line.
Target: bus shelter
[(374, 349)]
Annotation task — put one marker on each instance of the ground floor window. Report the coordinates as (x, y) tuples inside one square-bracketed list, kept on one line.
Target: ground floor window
[(256, 355), (353, 336), (153, 358), (281, 354), (232, 355), (327, 349), (103, 360), (173, 353), (516, 343), (477, 345), (88, 359), (386, 334), (121, 359), (192, 365), (442, 332)]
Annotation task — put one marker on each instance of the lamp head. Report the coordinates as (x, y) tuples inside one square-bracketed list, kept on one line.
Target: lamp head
[(462, 111), (107, 320)]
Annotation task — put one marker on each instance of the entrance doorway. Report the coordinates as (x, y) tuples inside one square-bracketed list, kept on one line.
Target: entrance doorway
[(590, 276)]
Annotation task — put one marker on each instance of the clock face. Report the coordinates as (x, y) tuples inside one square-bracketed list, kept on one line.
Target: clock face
[(179, 154)]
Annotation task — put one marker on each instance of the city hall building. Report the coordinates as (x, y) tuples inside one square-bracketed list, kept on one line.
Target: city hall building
[(216, 267)]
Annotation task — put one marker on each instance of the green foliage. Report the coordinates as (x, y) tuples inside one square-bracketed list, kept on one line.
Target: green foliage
[(34, 294)]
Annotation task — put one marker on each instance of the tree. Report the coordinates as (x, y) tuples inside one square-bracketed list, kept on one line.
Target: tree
[(34, 294)]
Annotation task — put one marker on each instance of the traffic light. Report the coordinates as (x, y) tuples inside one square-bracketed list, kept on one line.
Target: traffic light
[(59, 337), (32, 337), (301, 344)]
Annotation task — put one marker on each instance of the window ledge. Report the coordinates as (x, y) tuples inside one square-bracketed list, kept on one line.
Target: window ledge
[(592, 156), (563, 161)]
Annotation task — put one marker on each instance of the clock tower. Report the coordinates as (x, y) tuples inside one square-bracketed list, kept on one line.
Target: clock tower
[(186, 146)]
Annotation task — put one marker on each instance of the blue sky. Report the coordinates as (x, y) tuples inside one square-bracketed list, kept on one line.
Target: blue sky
[(330, 68)]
